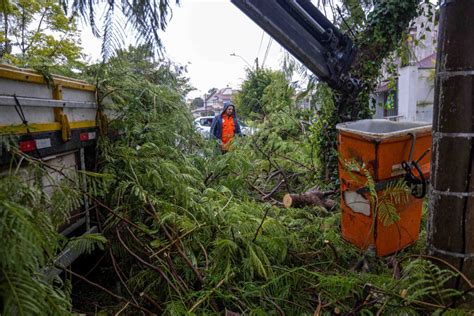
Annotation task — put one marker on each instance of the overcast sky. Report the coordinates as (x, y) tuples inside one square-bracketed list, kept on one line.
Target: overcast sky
[(202, 34)]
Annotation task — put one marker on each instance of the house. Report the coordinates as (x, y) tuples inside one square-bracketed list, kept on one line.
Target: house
[(214, 102), (410, 96), (217, 99)]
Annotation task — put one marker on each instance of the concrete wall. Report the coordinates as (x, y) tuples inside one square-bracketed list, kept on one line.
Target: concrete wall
[(407, 93), (415, 95), (425, 95)]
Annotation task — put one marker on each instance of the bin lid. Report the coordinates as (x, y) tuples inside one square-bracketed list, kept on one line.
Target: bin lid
[(382, 129)]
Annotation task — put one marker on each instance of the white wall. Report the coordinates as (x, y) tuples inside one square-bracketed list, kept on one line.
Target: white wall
[(407, 93), (425, 95)]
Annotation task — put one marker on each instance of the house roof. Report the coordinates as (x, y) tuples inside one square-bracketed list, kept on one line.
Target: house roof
[(427, 62), (226, 91), (213, 95), (221, 94)]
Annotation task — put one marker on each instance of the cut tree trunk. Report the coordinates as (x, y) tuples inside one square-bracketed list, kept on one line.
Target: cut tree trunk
[(312, 197)]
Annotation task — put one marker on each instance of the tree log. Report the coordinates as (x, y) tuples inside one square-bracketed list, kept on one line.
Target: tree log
[(311, 197)]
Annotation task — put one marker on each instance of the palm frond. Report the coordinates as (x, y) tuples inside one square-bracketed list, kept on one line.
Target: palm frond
[(145, 18), (113, 33)]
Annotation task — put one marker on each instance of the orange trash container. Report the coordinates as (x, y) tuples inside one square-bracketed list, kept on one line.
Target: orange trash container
[(381, 146)]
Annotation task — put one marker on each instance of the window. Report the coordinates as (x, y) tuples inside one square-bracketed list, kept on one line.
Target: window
[(390, 103), (206, 121)]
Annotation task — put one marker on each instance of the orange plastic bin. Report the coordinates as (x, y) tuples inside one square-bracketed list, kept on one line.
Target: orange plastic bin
[(382, 146)]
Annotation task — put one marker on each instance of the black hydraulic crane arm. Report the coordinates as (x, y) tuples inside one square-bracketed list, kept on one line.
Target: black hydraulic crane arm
[(308, 35)]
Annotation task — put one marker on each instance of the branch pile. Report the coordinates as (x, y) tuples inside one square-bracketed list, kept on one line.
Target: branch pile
[(195, 232)]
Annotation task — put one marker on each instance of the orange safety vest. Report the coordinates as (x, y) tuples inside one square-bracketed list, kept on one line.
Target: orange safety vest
[(228, 128)]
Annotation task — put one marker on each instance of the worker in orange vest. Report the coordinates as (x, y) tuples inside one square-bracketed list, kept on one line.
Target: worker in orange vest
[(225, 126)]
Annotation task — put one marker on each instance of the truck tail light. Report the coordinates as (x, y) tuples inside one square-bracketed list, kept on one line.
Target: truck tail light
[(27, 145), (87, 136), (33, 144)]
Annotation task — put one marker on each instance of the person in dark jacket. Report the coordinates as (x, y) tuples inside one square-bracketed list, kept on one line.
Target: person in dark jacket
[(225, 126)]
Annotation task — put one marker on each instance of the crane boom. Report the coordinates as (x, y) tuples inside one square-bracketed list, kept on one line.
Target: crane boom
[(308, 35)]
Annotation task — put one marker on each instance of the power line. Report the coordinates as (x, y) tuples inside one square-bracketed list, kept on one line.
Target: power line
[(270, 40), (260, 46)]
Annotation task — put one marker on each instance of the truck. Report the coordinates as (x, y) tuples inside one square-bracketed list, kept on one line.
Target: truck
[(53, 120)]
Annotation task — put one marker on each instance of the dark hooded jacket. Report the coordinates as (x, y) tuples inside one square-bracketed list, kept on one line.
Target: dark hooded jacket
[(216, 126)]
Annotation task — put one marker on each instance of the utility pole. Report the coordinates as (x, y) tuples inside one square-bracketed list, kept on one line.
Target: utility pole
[(451, 210)]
